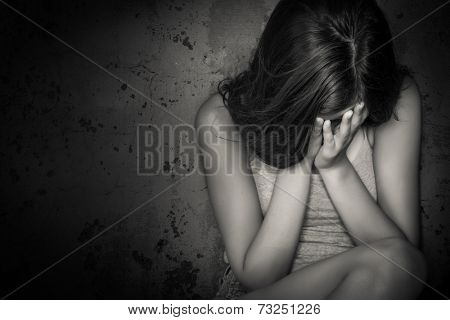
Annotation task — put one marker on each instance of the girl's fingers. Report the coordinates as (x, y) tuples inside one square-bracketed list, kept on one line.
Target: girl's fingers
[(316, 137), (345, 128), (317, 130), (358, 116), (328, 137)]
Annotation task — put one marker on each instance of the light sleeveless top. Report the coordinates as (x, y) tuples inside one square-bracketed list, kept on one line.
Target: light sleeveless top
[(322, 233)]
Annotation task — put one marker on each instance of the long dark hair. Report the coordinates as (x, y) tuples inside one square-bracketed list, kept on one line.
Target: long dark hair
[(314, 57)]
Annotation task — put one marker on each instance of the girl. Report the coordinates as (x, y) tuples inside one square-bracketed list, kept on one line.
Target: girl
[(316, 186)]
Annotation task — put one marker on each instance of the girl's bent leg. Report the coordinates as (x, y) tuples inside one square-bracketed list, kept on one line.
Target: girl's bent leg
[(388, 269)]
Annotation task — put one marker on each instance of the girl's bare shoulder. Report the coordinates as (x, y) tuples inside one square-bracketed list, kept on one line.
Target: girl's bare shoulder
[(213, 112), (409, 96), (213, 118)]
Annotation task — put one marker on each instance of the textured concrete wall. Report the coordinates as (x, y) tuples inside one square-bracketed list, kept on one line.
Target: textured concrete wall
[(69, 141)]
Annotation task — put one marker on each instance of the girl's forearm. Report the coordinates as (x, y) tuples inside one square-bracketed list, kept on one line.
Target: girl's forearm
[(364, 219), (270, 255)]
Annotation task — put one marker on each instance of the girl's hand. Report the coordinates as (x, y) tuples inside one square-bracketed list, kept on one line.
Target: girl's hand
[(335, 145), (314, 145), (315, 142)]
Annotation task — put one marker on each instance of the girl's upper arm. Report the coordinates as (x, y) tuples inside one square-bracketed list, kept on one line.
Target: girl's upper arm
[(231, 187), (396, 162)]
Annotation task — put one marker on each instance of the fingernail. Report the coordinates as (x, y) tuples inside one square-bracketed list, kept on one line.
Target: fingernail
[(349, 114), (327, 123), (317, 126), (319, 121)]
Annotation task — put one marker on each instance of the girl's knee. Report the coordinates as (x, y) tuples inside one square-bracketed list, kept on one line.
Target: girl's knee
[(399, 267)]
